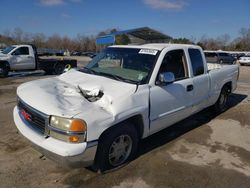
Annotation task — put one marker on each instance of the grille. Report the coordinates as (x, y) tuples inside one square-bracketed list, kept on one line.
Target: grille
[(34, 118)]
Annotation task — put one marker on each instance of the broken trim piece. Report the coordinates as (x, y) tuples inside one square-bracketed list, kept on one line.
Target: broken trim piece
[(91, 96)]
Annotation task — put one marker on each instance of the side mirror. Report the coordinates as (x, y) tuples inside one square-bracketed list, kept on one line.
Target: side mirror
[(166, 78)]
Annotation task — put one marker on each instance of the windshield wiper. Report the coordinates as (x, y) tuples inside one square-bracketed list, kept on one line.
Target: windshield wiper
[(91, 71), (117, 77), (88, 70)]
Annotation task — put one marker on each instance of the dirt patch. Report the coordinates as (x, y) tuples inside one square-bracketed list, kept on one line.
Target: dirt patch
[(239, 113), (183, 149), (228, 146), (12, 145), (215, 147), (230, 132), (241, 152), (200, 135)]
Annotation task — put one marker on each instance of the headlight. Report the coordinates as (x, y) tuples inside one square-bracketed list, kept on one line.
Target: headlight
[(69, 130)]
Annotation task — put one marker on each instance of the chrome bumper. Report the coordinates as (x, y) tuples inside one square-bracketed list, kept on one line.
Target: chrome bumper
[(82, 160)]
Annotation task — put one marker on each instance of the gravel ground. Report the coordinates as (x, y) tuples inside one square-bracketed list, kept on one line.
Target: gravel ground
[(201, 151)]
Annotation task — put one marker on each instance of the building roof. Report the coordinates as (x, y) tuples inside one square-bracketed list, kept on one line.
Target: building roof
[(155, 46), (145, 33)]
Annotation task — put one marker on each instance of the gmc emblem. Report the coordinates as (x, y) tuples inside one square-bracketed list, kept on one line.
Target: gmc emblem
[(26, 115)]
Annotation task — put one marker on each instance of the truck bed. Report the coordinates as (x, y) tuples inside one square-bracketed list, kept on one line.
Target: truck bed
[(48, 65)]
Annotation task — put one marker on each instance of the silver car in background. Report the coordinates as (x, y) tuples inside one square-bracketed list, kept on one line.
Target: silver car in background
[(219, 57)]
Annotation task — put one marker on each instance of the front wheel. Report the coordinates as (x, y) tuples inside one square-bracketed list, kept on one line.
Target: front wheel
[(4, 71), (48, 72), (221, 104), (116, 147)]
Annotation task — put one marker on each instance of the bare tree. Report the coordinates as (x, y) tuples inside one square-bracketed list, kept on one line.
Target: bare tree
[(223, 41), (39, 39), (54, 42), (87, 43), (17, 34), (245, 38)]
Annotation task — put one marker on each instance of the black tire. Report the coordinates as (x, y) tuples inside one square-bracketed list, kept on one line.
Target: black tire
[(49, 72), (59, 68), (4, 71), (221, 104), (116, 147)]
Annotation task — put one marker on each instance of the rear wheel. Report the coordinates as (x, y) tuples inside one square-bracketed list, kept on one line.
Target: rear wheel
[(221, 104), (59, 68), (116, 147)]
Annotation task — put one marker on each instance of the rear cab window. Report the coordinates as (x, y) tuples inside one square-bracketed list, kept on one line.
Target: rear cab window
[(210, 54), (224, 54), (196, 61)]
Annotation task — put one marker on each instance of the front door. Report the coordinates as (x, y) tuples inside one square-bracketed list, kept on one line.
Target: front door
[(172, 102), (22, 59)]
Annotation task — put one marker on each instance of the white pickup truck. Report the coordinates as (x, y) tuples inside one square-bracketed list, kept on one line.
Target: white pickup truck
[(96, 115), (24, 57)]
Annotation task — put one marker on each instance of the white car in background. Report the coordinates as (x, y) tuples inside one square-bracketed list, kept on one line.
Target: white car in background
[(245, 60)]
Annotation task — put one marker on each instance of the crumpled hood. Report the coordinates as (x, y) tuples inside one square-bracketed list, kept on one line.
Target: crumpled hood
[(62, 95)]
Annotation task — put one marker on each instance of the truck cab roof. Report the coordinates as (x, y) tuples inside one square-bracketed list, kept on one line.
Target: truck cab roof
[(156, 46)]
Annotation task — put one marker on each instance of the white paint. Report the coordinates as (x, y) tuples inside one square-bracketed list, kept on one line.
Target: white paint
[(169, 104), (20, 62), (148, 51)]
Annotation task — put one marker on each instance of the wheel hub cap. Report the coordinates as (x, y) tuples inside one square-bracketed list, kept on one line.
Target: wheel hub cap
[(120, 150)]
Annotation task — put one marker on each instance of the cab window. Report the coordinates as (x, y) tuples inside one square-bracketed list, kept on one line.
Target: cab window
[(21, 51), (196, 61), (175, 62)]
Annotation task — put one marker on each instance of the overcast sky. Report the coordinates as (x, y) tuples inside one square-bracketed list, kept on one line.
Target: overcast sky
[(177, 18)]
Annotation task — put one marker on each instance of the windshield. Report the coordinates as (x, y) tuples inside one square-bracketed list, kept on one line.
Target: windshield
[(125, 64), (8, 49)]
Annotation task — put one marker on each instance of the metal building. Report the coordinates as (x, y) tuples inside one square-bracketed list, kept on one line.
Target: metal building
[(136, 36)]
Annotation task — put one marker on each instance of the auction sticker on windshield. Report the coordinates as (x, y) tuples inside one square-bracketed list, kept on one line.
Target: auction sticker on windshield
[(148, 51)]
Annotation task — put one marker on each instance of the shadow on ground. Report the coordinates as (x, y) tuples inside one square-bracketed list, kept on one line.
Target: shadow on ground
[(184, 126), (26, 74)]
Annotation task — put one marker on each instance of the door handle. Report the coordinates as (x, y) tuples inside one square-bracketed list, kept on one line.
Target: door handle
[(190, 87)]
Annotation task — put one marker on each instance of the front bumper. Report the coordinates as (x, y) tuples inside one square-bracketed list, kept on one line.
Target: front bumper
[(242, 62), (67, 154)]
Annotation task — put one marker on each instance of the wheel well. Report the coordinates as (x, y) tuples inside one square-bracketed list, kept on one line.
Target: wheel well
[(229, 86), (136, 121), (6, 63)]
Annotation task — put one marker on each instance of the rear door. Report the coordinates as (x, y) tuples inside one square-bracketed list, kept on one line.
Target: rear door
[(172, 102), (23, 59), (200, 79)]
